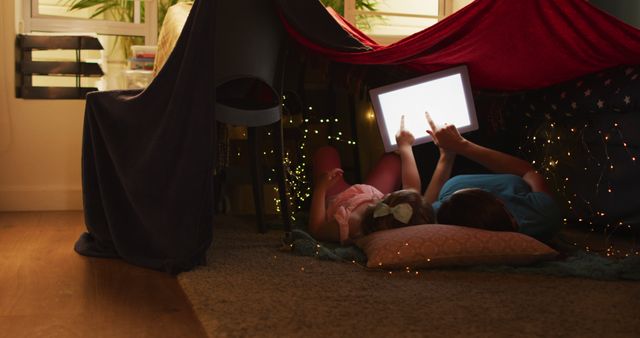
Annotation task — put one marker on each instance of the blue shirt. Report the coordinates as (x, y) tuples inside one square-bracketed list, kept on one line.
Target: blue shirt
[(537, 213)]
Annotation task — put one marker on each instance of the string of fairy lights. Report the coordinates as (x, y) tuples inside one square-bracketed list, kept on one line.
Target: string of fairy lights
[(297, 162), (556, 149), (409, 271), (314, 127)]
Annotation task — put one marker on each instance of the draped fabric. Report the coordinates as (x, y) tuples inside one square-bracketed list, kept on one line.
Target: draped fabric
[(507, 45), (147, 160)]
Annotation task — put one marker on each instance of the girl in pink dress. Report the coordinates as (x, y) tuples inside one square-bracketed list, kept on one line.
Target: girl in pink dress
[(343, 212)]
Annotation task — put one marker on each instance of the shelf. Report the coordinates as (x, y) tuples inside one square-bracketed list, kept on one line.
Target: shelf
[(49, 42), (60, 68), (56, 93), (26, 67)]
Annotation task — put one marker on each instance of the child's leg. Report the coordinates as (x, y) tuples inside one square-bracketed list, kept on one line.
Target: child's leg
[(324, 159), (386, 174)]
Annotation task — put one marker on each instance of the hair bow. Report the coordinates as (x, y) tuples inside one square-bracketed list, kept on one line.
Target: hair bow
[(401, 212)]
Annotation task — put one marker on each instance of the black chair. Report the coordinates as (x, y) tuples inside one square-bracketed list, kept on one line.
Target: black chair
[(248, 80)]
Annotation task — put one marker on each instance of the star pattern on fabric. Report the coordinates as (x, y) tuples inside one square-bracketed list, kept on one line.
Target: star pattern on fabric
[(612, 90)]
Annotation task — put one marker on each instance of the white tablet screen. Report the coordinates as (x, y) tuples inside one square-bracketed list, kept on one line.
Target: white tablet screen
[(446, 95)]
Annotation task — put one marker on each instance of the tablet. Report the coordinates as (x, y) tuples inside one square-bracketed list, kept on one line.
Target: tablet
[(445, 95)]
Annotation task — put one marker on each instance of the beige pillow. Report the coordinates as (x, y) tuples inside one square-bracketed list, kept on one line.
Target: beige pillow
[(438, 245), (171, 29)]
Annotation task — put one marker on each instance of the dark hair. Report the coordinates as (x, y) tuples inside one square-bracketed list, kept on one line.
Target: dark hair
[(476, 208), (422, 212)]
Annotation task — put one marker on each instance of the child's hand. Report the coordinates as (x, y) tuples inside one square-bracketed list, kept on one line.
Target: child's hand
[(329, 178), (404, 137), (447, 138)]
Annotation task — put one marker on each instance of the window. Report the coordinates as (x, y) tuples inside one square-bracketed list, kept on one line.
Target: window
[(393, 20), (116, 30), (54, 16)]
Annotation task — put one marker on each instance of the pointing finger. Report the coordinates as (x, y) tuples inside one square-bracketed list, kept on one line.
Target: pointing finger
[(432, 125)]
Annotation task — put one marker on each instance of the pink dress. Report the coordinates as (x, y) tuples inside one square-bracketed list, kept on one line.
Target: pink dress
[(342, 205)]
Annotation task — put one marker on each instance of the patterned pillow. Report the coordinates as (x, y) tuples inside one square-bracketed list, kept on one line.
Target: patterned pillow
[(438, 245)]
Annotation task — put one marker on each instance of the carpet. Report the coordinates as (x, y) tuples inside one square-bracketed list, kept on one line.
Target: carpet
[(250, 287)]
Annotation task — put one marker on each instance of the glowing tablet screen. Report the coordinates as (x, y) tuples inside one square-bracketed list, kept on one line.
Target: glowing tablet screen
[(446, 95)]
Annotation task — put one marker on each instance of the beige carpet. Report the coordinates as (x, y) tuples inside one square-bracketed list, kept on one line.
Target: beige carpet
[(251, 289)]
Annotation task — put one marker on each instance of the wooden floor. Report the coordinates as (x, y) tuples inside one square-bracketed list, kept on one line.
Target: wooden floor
[(47, 290)]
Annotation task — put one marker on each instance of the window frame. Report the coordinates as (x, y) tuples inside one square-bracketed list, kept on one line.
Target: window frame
[(32, 21), (445, 7)]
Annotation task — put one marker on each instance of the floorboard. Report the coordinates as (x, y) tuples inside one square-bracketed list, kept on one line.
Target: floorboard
[(47, 290)]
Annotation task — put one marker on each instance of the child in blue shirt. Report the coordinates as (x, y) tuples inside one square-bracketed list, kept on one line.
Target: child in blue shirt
[(515, 198)]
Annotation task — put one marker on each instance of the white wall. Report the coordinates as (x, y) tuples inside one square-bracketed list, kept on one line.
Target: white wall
[(40, 140)]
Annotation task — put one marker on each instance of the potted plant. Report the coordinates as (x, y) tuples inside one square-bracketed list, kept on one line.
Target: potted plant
[(120, 10)]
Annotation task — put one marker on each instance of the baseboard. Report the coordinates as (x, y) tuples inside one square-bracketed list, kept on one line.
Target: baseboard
[(32, 198)]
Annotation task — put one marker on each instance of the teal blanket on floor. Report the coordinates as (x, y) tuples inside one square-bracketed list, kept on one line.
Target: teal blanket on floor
[(576, 263)]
